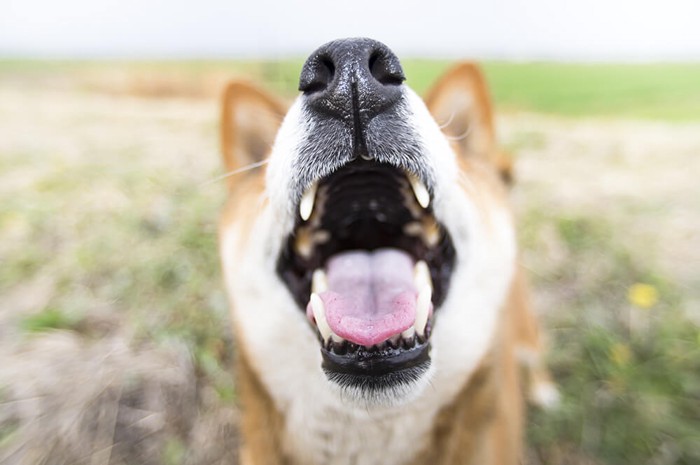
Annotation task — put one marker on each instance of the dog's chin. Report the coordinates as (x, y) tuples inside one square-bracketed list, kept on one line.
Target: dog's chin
[(390, 375), (391, 390)]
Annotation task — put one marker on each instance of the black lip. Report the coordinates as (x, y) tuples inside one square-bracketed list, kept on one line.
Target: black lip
[(377, 369)]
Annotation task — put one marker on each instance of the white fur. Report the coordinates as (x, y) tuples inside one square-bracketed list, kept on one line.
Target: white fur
[(323, 427), (293, 129)]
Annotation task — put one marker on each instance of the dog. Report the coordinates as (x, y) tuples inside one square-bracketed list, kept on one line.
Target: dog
[(378, 309)]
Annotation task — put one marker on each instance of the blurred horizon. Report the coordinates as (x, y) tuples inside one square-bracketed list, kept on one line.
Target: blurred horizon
[(508, 30)]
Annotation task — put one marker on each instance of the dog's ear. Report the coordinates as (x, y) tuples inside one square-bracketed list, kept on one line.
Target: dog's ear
[(249, 122), (461, 105)]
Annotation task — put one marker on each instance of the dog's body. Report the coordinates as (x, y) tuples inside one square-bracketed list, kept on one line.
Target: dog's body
[(395, 383)]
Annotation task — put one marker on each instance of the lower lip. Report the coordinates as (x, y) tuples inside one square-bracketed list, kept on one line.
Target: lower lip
[(376, 363)]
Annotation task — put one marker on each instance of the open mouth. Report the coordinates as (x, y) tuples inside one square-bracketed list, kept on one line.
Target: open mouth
[(370, 264)]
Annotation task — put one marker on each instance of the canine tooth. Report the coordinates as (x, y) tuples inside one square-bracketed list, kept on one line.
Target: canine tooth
[(409, 333), (320, 316), (319, 281), (306, 206), (423, 310), (421, 275), (420, 191)]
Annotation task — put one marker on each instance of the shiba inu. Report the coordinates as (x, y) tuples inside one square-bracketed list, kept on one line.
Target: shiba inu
[(379, 312)]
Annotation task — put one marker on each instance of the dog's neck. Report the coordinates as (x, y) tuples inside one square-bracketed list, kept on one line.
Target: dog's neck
[(349, 435), (328, 432)]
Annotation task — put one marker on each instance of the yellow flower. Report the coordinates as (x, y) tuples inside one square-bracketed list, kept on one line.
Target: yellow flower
[(642, 295), (620, 354)]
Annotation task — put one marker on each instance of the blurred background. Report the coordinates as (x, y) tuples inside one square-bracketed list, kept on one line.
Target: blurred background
[(114, 341)]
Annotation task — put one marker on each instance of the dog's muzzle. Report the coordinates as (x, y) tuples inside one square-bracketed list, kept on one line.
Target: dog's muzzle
[(352, 81), (367, 259)]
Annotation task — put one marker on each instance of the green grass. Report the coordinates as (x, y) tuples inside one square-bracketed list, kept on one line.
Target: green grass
[(48, 319), (657, 91), (647, 91), (150, 258), (628, 370)]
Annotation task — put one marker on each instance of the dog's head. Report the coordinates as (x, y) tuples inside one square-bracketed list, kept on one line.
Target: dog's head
[(374, 255)]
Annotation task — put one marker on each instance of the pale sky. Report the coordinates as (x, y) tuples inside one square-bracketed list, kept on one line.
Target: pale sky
[(497, 29)]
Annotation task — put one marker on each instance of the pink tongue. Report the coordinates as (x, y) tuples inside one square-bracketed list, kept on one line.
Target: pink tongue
[(371, 296)]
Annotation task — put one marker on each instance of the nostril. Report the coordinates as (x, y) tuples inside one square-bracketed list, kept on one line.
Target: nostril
[(317, 76), (385, 69)]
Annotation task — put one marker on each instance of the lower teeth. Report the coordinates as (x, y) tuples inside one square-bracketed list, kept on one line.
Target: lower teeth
[(345, 347)]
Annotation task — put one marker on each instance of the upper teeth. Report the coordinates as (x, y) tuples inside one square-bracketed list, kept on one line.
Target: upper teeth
[(306, 206), (419, 190)]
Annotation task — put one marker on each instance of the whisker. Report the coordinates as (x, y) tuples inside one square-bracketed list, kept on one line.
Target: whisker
[(464, 180), (462, 136), (447, 123), (243, 169)]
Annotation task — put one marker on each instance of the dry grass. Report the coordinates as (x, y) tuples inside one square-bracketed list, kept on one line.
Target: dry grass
[(114, 346)]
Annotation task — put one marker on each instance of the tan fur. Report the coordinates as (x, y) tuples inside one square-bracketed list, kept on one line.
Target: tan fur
[(249, 121), (483, 425)]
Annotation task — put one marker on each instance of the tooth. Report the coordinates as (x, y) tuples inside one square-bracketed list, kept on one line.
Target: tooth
[(304, 244), (320, 317), (319, 281), (306, 206), (394, 340), (421, 275), (423, 310), (414, 228), (420, 191), (409, 333), (321, 236), (431, 233), (307, 239)]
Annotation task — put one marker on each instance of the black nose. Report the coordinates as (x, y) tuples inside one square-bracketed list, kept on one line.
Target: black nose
[(352, 80)]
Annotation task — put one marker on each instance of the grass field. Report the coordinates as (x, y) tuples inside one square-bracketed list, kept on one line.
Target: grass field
[(649, 91), (114, 341)]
